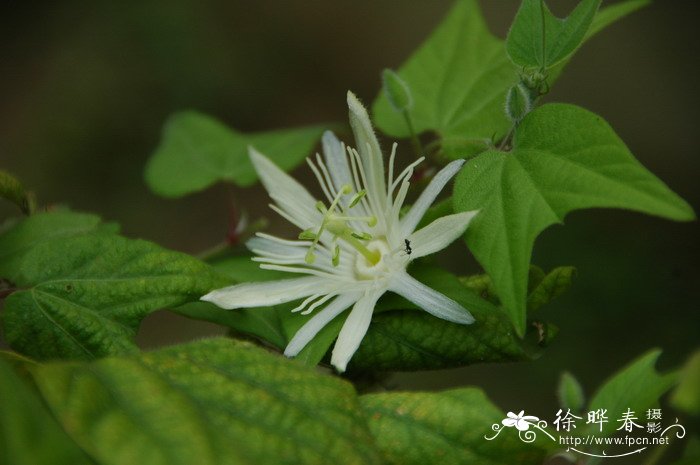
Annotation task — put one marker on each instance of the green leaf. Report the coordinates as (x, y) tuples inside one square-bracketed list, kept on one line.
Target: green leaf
[(196, 151), (551, 286), (447, 428), (216, 401), (405, 338), (564, 158), (686, 397), (538, 39), (87, 294), (28, 432), (570, 393), (638, 387), (12, 190), (459, 78), (19, 238)]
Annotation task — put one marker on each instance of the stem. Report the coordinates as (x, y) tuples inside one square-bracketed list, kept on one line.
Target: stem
[(415, 142)]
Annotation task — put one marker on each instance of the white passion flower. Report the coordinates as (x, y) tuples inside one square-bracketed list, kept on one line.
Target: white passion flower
[(352, 249)]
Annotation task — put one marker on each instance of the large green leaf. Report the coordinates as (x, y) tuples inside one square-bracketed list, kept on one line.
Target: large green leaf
[(19, 238), (402, 337), (447, 428), (637, 387), (459, 78), (216, 401), (86, 295), (196, 151), (564, 158), (28, 432), (539, 39)]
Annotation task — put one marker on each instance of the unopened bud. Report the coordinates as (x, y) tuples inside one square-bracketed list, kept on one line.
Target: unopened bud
[(397, 91), (518, 102)]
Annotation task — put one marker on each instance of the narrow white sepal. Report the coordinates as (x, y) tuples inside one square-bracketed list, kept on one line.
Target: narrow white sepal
[(428, 196), (316, 323), (263, 294), (439, 234), (429, 299), (354, 330), (336, 160), (290, 196), (367, 146)]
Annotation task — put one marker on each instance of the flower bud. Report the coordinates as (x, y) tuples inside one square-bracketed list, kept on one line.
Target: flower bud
[(518, 102), (397, 91)]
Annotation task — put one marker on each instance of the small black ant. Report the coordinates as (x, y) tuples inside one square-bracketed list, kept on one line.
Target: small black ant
[(408, 247)]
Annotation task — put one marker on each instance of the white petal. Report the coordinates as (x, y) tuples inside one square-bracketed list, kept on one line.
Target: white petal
[(427, 197), (439, 234), (318, 321), (368, 148), (266, 246), (354, 329), (261, 294), (291, 196), (429, 299), (336, 160)]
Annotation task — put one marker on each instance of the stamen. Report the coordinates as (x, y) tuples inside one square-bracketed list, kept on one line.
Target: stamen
[(308, 234), (357, 197), (363, 236), (336, 255)]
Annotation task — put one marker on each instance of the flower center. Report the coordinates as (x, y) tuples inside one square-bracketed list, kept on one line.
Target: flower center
[(367, 269), (335, 221)]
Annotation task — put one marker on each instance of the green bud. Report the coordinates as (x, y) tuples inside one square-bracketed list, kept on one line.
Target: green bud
[(397, 91), (320, 207), (518, 102)]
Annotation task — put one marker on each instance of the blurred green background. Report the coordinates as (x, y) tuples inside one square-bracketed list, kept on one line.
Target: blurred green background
[(86, 87)]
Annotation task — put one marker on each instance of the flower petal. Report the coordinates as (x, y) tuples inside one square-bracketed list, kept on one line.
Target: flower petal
[(427, 197), (439, 234), (289, 195), (430, 300), (318, 321), (336, 160), (509, 422), (369, 150), (262, 294), (354, 329)]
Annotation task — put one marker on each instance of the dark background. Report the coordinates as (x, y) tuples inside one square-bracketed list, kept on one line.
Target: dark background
[(86, 87)]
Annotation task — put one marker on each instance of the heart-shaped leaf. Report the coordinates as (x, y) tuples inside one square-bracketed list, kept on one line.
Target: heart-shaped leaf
[(196, 151), (555, 167)]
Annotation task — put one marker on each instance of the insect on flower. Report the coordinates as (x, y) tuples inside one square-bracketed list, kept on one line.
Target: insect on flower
[(352, 248)]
